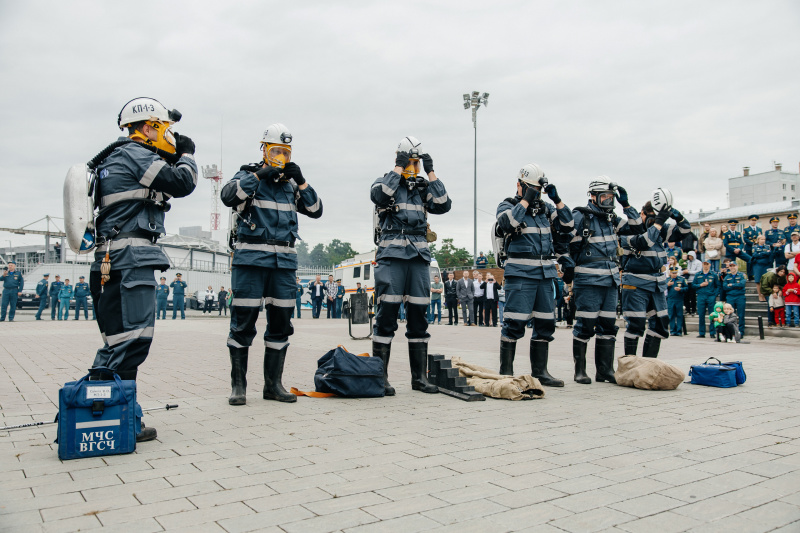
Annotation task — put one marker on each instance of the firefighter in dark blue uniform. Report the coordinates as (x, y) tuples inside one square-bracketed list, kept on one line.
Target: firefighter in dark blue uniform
[(267, 197), (55, 288), (733, 242), (644, 280), (136, 177), (706, 286), (12, 289), (530, 270), (734, 284), (403, 201), (595, 250), (81, 294), (162, 297), (776, 240), (750, 236), (41, 292)]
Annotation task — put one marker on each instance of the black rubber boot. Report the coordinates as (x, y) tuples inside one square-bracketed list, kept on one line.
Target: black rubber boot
[(273, 374), (146, 433), (631, 345), (604, 360), (507, 351), (579, 356), (539, 355), (418, 361), (238, 376), (382, 351), (651, 346)]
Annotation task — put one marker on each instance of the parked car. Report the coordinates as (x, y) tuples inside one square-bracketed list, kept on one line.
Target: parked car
[(197, 300), (29, 297)]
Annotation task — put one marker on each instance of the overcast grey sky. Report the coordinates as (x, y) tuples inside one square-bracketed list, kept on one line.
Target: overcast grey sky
[(679, 94)]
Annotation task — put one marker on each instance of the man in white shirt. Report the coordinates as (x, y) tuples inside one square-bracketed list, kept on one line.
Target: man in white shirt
[(791, 250), (478, 298), (317, 294), (490, 305)]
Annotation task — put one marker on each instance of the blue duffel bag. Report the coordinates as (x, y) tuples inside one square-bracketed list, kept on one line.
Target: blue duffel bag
[(741, 377), (97, 418), (348, 375), (713, 375)]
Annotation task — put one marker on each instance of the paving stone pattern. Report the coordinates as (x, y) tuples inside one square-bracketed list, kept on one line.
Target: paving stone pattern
[(583, 459)]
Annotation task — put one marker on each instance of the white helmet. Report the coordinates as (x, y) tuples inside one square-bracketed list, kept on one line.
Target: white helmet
[(277, 134), (532, 174), (146, 109), (661, 198), (600, 185), (411, 146)]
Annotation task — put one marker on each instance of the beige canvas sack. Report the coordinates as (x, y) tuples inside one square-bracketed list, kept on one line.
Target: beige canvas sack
[(647, 373), (490, 383)]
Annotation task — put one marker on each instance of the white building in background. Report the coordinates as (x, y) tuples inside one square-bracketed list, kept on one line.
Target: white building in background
[(766, 187)]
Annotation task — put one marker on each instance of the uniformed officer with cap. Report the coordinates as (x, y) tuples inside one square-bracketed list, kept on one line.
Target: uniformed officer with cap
[(751, 234), (793, 226), (530, 270), (776, 240), (81, 295), (137, 176), (706, 286), (266, 196), (162, 295), (733, 242), (41, 292), (55, 302), (676, 289), (403, 200), (12, 290), (178, 287)]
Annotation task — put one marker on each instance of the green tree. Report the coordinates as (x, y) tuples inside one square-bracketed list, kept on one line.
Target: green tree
[(337, 251), (303, 258), (449, 256), (318, 256)]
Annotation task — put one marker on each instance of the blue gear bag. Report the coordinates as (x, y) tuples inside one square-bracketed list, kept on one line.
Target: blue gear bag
[(97, 418), (348, 375), (713, 375)]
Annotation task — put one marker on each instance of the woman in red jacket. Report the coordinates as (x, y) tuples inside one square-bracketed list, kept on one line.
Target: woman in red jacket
[(791, 296)]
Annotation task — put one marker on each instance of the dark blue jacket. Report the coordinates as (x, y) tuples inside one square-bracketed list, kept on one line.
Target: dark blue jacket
[(390, 190), (82, 290), (178, 288), (732, 240), (132, 172), (162, 292), (734, 285), (713, 283), (678, 282), (12, 281), (529, 250), (762, 254), (751, 233), (55, 288), (644, 255), (41, 288), (268, 211)]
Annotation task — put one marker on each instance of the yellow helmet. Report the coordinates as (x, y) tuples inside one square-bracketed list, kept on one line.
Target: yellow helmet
[(276, 144)]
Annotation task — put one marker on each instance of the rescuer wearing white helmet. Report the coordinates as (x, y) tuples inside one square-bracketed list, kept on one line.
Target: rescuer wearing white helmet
[(403, 200), (595, 250), (644, 280), (137, 175), (266, 197), (530, 270)]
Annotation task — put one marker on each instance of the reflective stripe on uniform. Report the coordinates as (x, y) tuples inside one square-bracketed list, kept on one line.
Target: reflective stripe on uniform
[(648, 277), (652, 333), (274, 248), (247, 302), (313, 208), (517, 316), (529, 262), (511, 220), (381, 340), (386, 190), (240, 194), (188, 167), (600, 271), (418, 340), (113, 340), (278, 302), (119, 244), (403, 241), (152, 171), (602, 238), (417, 300), (536, 229), (410, 207), (635, 314), (130, 195), (275, 345), (506, 339), (275, 206), (235, 344), (595, 314), (390, 298), (437, 199)]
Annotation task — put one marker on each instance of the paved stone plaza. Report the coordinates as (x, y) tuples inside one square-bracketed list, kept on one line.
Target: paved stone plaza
[(585, 458)]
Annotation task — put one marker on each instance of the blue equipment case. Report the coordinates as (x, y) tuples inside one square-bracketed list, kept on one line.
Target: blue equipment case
[(97, 418)]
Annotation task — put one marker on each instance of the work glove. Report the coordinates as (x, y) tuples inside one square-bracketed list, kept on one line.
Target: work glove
[(427, 163), (552, 192), (622, 196), (183, 144), (267, 172), (402, 159), (292, 171), (675, 214), (569, 274), (531, 195), (662, 216)]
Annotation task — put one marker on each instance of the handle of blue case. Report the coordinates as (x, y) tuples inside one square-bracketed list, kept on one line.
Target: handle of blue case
[(715, 359), (95, 370)]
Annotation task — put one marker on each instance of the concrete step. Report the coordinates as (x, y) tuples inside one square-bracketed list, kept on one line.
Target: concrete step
[(750, 328)]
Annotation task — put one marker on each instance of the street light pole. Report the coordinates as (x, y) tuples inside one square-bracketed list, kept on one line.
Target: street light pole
[(474, 101)]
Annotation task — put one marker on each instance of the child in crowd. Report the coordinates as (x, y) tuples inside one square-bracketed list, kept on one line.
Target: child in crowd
[(730, 321), (715, 320), (791, 297), (776, 307)]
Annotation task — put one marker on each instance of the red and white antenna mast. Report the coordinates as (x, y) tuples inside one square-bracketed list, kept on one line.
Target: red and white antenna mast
[(211, 172)]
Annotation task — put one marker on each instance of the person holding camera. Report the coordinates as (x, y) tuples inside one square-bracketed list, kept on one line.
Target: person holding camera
[(267, 196), (403, 200)]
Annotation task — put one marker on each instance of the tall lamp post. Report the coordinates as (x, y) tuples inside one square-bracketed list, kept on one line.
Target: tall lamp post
[(474, 101)]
